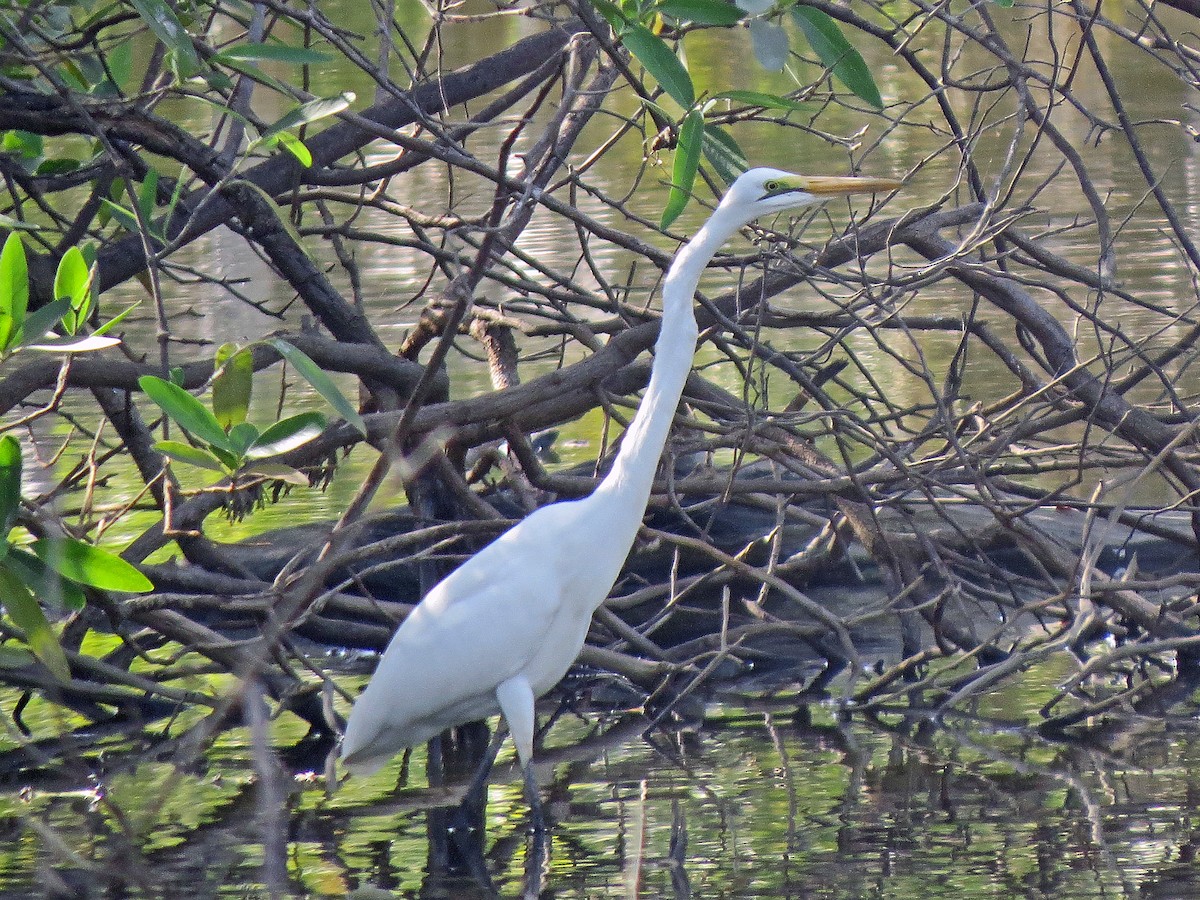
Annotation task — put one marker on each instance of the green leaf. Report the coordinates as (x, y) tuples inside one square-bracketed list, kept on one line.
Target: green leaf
[(231, 460), (287, 434), (616, 17), (193, 456), (250, 70), (85, 564), (148, 196), (14, 290), (661, 62), (24, 144), (296, 147), (276, 472), (125, 218), (702, 12), (41, 320), (73, 283), (300, 56), (683, 172), (28, 616), (242, 436), (14, 657), (60, 166), (320, 108), (322, 383), (47, 585), (10, 483), (232, 385), (766, 101), (723, 153), (161, 19), (188, 412), (836, 53), (115, 320)]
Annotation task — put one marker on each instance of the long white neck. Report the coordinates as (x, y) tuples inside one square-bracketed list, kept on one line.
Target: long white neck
[(626, 488)]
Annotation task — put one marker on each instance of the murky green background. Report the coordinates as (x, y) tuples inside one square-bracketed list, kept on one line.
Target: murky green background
[(741, 798)]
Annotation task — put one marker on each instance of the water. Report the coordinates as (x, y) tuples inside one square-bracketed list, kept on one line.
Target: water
[(759, 798)]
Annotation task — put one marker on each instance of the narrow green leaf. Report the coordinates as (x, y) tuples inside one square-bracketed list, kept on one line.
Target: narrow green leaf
[(287, 434), (232, 385), (148, 196), (115, 320), (41, 320), (300, 56), (28, 616), (766, 101), (683, 172), (161, 19), (276, 472), (85, 564), (322, 383), (48, 586), (702, 12), (661, 62), (320, 108), (14, 290), (252, 71), (193, 456), (836, 53), (10, 483), (184, 409), (723, 153), (125, 218)]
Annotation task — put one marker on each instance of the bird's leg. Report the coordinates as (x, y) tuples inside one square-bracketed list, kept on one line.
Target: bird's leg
[(516, 702), (535, 803)]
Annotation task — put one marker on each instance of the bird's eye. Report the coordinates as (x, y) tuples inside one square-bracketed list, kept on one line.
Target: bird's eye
[(771, 186)]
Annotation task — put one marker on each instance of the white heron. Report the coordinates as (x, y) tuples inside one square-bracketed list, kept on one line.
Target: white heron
[(504, 627)]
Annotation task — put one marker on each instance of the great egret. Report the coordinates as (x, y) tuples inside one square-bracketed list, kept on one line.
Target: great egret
[(505, 626)]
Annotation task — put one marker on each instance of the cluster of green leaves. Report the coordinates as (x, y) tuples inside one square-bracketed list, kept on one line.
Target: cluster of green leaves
[(75, 297), (52, 570), (177, 27), (223, 441), (636, 25)]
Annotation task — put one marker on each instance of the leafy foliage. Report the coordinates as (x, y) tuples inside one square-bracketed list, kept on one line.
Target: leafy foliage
[(224, 441), (53, 570)]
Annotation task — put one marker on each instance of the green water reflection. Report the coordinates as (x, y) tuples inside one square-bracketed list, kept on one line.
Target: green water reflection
[(761, 799)]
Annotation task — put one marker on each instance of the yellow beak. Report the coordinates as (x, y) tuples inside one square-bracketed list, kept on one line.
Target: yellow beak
[(830, 185)]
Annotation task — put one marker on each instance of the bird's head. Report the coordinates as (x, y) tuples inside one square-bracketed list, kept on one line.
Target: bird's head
[(758, 192)]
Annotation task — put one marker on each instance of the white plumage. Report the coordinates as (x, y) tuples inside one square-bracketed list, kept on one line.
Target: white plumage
[(503, 628)]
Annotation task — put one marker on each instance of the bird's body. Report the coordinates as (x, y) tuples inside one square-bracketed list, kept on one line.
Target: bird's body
[(503, 628)]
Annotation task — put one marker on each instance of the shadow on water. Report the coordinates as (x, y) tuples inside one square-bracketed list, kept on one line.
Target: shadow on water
[(747, 796)]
